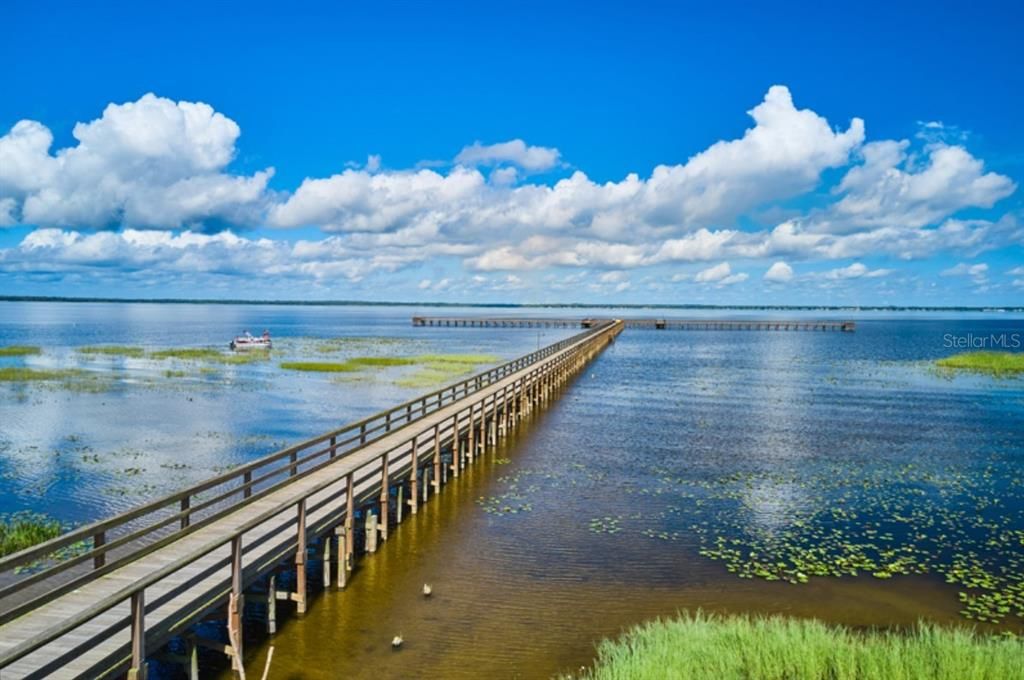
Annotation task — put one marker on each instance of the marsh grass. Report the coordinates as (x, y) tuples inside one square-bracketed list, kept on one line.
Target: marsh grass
[(113, 351), (24, 529), (993, 363), (432, 369), (437, 369), (210, 354), (20, 351), (698, 646), (321, 366), (16, 374)]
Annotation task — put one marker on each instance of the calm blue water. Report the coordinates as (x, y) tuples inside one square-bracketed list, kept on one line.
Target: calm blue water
[(679, 470), (124, 429)]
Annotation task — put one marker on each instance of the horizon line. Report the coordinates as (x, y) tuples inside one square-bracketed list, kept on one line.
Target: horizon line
[(511, 305)]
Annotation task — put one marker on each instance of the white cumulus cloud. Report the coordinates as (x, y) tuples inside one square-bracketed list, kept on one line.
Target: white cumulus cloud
[(152, 163), (516, 151), (779, 272)]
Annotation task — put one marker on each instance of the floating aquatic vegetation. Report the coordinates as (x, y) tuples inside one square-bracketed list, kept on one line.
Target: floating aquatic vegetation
[(19, 351), (606, 525), (438, 369), (1000, 364), (321, 366), (434, 369), (837, 519), (212, 355), (22, 374), (114, 351)]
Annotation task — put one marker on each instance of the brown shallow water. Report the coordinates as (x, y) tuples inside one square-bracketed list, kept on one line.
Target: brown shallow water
[(497, 611)]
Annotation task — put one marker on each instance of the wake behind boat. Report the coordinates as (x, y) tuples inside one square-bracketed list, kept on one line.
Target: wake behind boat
[(249, 341)]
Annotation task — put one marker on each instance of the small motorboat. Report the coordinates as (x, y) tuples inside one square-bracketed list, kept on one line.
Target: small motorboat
[(249, 341)]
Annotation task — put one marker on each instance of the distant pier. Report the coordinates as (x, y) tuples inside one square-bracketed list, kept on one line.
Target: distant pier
[(652, 323)]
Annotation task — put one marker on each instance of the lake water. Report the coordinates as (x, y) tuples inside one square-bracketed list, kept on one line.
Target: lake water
[(731, 471)]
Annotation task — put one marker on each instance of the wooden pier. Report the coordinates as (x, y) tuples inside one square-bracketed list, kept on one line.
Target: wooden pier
[(652, 323), (101, 599)]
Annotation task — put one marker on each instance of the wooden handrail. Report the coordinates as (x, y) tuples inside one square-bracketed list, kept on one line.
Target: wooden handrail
[(134, 590), (104, 527)]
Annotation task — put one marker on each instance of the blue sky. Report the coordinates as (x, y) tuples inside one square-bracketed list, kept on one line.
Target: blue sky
[(584, 152)]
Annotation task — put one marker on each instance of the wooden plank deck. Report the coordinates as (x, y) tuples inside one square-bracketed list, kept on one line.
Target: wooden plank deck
[(201, 576)]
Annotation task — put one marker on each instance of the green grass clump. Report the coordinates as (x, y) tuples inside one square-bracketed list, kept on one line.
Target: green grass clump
[(24, 529), (21, 374), (380, 362), (438, 369), (19, 351), (113, 351), (321, 366), (210, 354), (434, 368), (698, 646), (993, 363)]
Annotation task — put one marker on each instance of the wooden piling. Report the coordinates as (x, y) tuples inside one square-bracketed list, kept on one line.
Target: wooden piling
[(300, 560)]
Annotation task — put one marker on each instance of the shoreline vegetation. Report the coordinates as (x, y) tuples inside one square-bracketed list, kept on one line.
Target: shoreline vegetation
[(702, 646), (999, 364), (25, 529)]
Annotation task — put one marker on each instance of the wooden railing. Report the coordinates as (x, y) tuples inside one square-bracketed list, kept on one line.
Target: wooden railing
[(138, 533)]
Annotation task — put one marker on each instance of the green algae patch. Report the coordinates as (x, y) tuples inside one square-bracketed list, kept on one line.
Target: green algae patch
[(347, 366), (434, 368), (992, 363), (321, 366), (383, 362), (17, 374), (438, 369), (113, 351), (704, 646), (20, 351), (211, 355), (22, 530)]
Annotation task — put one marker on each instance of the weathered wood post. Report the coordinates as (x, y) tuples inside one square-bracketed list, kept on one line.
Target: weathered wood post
[(327, 538), (437, 458), (185, 516), (414, 488), (235, 605), (350, 522), (272, 604), (371, 532), (456, 454), (300, 560), (471, 435), (98, 540), (385, 497), (138, 607)]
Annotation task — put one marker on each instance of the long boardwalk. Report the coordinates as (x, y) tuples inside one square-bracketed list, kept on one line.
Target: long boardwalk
[(655, 323), (113, 593)]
